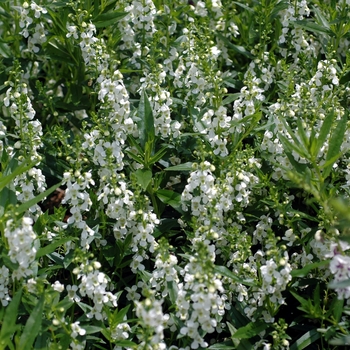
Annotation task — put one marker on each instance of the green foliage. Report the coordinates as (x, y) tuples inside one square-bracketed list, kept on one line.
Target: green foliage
[(174, 174)]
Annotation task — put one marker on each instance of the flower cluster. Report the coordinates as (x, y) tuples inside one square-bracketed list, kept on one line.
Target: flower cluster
[(22, 246), (93, 284), (200, 301), (153, 320), (4, 282), (39, 35)]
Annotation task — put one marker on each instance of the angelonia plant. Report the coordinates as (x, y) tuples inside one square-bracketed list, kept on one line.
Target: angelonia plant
[(174, 174)]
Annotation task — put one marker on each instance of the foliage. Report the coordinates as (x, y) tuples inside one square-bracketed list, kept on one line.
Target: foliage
[(174, 174)]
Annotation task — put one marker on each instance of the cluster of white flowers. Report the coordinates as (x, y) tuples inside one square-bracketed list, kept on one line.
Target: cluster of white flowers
[(203, 180), (136, 27), (21, 110), (28, 184), (200, 301), (39, 35), (151, 317), (275, 278), (28, 134), (87, 43), (21, 240), (75, 331), (93, 284), (4, 282), (120, 331), (164, 273), (105, 145), (340, 268), (245, 105), (142, 236), (80, 201), (296, 10)]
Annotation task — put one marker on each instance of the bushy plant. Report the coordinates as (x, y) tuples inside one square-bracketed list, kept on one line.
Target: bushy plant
[(174, 174)]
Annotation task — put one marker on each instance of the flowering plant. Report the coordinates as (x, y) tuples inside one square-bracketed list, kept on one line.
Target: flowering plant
[(174, 174)]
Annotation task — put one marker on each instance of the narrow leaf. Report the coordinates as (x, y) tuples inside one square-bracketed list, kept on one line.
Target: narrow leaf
[(238, 49), (52, 247), (158, 156), (250, 330), (146, 120), (8, 327), (181, 167), (306, 269), (324, 131), (32, 326), (301, 132), (307, 339), (119, 315), (25, 206), (335, 144), (136, 158), (108, 19), (224, 271), (222, 347), (20, 169), (312, 27)]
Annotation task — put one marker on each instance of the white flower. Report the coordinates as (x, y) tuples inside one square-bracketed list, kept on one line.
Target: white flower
[(57, 286)]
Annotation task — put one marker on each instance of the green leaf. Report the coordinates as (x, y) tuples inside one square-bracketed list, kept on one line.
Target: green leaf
[(306, 269), (91, 329), (312, 27), (135, 144), (32, 326), (224, 271), (283, 5), (181, 167), (230, 98), (52, 247), (143, 177), (289, 147), (173, 291), (307, 339), (58, 52), (302, 135), (146, 120), (108, 19), (337, 306), (158, 156), (222, 346), (320, 17), (335, 143), (20, 169), (125, 343), (324, 131), (25, 206), (136, 158), (243, 6), (238, 49), (118, 316), (303, 302), (250, 330), (8, 327), (170, 197)]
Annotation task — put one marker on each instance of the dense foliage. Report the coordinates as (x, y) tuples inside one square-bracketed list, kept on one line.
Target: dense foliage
[(174, 174)]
